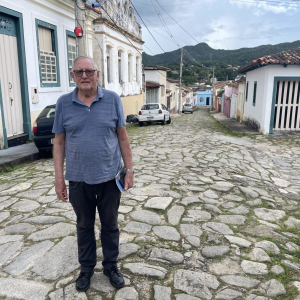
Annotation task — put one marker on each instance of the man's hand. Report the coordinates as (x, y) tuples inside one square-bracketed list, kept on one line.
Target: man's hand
[(128, 182), (61, 190)]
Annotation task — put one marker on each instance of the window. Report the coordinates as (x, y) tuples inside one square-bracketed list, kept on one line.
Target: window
[(152, 96), (72, 53), (137, 77), (129, 66), (162, 90), (247, 87), (108, 64), (47, 54), (150, 106), (254, 92), (120, 65)]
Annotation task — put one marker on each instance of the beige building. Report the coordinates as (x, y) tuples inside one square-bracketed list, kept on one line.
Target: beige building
[(173, 94)]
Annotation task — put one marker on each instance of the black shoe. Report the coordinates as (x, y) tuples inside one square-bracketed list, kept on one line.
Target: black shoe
[(115, 277), (83, 281)]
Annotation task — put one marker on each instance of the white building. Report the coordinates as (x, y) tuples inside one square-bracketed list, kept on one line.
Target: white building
[(173, 95), (156, 83), (37, 47), (118, 52), (272, 96)]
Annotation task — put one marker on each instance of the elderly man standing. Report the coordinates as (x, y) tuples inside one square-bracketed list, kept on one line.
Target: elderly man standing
[(90, 132)]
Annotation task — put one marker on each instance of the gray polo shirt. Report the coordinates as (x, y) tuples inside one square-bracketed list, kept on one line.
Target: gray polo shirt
[(92, 150)]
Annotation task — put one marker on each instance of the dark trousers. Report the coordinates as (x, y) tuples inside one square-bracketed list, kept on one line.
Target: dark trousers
[(84, 199)]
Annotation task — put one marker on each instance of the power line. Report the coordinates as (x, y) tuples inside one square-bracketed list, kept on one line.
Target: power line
[(169, 32), (147, 28), (176, 22), (247, 1), (120, 30), (163, 35)]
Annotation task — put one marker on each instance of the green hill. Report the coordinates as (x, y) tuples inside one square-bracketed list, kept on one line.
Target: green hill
[(202, 54)]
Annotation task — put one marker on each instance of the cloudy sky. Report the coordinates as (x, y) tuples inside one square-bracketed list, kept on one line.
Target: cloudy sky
[(222, 24)]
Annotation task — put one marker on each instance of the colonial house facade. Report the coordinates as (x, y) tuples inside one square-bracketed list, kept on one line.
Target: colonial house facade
[(38, 47), (173, 95), (118, 52), (156, 84), (272, 92)]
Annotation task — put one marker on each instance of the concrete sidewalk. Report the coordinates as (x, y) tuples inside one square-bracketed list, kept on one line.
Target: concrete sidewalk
[(17, 155), (232, 124)]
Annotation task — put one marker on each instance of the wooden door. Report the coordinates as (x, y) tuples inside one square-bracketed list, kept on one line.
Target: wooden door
[(287, 105), (10, 81)]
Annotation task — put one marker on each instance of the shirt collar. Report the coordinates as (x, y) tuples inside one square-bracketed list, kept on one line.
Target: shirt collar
[(98, 97)]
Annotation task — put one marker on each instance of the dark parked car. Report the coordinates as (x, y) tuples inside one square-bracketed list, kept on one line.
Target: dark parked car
[(42, 129)]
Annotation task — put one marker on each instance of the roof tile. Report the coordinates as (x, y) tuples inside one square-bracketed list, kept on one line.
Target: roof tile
[(290, 57)]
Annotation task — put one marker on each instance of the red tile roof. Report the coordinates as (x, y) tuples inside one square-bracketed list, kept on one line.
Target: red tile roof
[(220, 84), (157, 68), (290, 57), (152, 85), (185, 88), (171, 80)]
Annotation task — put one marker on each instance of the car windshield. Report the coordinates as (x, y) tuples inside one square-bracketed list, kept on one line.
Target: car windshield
[(48, 112), (150, 106), (187, 104)]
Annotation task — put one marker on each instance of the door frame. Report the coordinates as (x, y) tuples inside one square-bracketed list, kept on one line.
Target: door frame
[(23, 76), (276, 79)]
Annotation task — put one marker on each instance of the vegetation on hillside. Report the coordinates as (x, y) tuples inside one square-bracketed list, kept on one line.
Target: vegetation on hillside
[(202, 54)]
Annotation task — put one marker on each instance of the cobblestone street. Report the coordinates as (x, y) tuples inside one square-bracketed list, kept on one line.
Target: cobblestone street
[(212, 215)]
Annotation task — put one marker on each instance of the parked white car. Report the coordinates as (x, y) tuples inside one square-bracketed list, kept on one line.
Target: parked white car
[(154, 112)]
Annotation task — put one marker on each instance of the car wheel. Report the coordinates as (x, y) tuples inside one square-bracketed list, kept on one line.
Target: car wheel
[(169, 121), (42, 153), (141, 124), (191, 112), (45, 153), (164, 121)]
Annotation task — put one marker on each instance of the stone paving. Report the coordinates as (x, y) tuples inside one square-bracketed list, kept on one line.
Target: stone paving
[(211, 216)]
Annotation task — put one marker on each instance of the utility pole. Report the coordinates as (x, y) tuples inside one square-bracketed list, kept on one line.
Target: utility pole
[(180, 95), (213, 96), (80, 22), (226, 77)]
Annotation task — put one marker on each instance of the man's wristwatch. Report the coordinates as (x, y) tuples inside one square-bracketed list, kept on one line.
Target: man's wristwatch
[(129, 170)]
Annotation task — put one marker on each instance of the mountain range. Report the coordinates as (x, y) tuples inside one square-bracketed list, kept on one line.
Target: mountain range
[(203, 53)]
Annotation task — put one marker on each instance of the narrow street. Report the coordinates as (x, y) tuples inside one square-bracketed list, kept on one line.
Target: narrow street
[(212, 215)]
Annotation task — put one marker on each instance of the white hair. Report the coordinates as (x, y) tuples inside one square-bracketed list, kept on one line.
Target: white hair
[(84, 57)]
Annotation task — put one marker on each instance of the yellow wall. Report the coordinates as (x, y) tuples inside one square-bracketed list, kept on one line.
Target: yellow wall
[(132, 104)]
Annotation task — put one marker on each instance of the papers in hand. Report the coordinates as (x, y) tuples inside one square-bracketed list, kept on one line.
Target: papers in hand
[(120, 179)]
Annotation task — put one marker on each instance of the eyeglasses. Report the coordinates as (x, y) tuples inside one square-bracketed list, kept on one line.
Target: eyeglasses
[(88, 73)]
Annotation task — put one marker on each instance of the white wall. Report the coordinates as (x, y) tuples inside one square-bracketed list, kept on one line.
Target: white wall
[(265, 86), (233, 105), (63, 20), (106, 36), (160, 77), (256, 112)]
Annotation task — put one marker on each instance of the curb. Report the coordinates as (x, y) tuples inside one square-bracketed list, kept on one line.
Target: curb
[(17, 161)]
